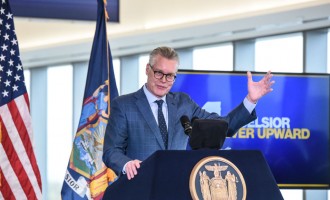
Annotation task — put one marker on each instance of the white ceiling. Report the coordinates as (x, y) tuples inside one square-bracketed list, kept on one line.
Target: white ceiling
[(145, 24)]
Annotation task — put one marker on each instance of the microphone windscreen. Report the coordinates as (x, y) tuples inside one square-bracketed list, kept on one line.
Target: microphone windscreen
[(193, 119), (184, 119), (185, 122)]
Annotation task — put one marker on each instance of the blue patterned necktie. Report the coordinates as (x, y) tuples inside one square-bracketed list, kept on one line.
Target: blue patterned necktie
[(162, 123)]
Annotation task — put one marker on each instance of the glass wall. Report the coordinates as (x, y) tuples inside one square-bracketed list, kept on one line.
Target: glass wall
[(27, 77), (116, 69), (143, 61), (59, 126), (328, 51), (216, 58), (292, 194), (282, 53)]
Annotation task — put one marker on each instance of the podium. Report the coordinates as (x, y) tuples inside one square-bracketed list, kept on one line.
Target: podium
[(165, 176)]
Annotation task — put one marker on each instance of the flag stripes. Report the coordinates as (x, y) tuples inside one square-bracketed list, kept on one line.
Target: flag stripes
[(15, 144), (9, 179), (26, 133), (1, 197)]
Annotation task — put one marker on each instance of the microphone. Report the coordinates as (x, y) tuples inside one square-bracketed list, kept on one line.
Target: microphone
[(185, 122), (193, 120)]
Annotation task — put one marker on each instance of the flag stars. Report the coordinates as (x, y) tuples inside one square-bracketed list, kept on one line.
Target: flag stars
[(7, 26), (19, 67), (7, 83), (1, 68), (2, 11), (14, 41), (9, 16), (2, 57), (15, 88), (1, 21), (11, 62), (4, 93), (9, 72), (12, 52), (4, 47), (6, 36), (3, 1), (17, 78)]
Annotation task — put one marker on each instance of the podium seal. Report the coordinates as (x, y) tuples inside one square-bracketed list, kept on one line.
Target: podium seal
[(215, 178)]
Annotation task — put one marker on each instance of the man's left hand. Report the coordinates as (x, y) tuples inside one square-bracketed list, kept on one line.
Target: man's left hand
[(256, 90)]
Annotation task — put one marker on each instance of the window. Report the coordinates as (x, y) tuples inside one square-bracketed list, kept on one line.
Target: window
[(27, 80), (143, 60), (282, 53), (116, 70), (59, 126), (292, 194), (214, 58), (328, 60)]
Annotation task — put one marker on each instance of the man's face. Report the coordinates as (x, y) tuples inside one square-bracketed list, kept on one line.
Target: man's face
[(160, 87)]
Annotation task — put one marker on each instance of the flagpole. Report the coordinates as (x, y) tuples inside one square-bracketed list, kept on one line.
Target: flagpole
[(106, 16)]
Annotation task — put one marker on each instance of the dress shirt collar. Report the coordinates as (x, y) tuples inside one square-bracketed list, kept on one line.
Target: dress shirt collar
[(150, 97)]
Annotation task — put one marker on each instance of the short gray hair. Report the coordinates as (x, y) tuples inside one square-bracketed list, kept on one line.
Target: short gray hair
[(166, 52)]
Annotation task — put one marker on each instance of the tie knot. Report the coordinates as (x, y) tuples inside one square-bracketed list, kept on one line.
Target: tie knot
[(159, 103)]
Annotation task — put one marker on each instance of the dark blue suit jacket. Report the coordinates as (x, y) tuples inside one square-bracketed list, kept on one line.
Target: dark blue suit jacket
[(132, 131)]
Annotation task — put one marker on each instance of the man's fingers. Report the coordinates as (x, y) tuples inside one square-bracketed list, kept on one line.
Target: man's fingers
[(271, 83), (134, 171), (131, 168), (249, 76), (129, 171), (268, 76), (135, 166), (137, 163)]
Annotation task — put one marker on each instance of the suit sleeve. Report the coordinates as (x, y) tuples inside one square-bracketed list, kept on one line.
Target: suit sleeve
[(115, 139), (236, 118)]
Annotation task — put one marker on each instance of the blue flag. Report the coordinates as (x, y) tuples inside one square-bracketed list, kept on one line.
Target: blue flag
[(87, 177)]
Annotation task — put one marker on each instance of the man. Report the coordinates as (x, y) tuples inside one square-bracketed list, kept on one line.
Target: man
[(136, 127)]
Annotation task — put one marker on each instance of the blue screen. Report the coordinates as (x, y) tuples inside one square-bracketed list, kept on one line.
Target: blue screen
[(63, 9), (292, 128)]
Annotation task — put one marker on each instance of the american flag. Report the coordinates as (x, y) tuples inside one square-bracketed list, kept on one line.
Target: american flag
[(19, 173)]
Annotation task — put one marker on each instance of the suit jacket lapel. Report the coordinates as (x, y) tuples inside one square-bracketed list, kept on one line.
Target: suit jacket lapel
[(172, 111), (144, 107)]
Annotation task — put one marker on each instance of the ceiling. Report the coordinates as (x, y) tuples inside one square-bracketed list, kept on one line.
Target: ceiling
[(145, 24)]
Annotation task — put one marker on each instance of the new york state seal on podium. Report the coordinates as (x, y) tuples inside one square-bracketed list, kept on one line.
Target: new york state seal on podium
[(216, 178)]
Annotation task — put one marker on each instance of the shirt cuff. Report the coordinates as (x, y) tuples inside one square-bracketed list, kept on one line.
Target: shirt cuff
[(248, 105), (123, 171)]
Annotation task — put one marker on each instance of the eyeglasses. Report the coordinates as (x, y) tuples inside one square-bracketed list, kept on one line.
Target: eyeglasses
[(160, 75)]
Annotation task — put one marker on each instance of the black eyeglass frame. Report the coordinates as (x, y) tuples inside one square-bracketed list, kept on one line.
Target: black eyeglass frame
[(160, 75)]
